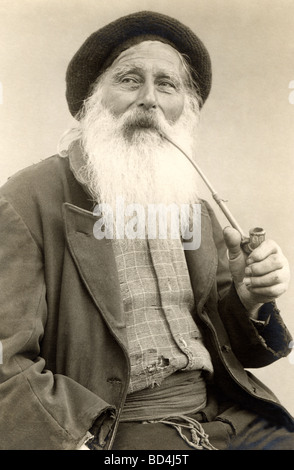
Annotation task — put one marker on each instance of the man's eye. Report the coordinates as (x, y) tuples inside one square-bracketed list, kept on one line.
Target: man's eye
[(167, 85), (129, 81)]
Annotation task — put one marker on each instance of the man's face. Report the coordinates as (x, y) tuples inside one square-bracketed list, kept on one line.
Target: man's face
[(148, 77), (141, 97)]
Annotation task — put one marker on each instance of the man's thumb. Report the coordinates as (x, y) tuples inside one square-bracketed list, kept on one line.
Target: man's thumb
[(233, 241)]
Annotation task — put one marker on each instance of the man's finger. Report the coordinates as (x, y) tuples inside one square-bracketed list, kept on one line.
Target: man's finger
[(271, 279), (233, 240), (266, 266), (267, 294), (265, 249)]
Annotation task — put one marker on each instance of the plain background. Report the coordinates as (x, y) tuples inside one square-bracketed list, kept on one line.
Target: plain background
[(246, 145)]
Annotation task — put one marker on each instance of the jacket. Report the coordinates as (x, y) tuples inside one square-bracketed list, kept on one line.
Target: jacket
[(65, 362)]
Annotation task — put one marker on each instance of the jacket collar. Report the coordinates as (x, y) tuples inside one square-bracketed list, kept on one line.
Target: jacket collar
[(203, 262), (76, 162)]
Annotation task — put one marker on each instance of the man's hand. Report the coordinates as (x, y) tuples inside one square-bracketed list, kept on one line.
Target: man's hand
[(260, 277)]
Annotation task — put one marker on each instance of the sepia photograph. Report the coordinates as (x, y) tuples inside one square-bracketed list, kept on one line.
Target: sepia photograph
[(146, 234)]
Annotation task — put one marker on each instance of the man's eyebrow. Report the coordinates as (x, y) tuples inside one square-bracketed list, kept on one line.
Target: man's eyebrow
[(176, 78), (120, 70)]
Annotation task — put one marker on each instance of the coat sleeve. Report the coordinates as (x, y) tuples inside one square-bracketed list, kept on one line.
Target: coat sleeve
[(255, 343), (39, 410)]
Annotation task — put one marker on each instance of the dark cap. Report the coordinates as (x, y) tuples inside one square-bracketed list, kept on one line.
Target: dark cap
[(102, 47)]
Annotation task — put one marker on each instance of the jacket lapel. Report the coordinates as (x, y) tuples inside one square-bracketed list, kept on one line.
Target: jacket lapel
[(96, 264), (202, 263)]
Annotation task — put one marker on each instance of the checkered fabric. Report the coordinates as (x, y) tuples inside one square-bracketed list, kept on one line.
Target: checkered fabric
[(158, 302)]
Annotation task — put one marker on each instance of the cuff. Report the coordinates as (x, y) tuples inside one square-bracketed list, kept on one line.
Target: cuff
[(260, 324), (100, 431)]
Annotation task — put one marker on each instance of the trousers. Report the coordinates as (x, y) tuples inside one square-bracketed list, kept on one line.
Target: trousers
[(227, 427)]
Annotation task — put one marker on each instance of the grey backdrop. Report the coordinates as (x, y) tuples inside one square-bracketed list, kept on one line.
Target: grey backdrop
[(246, 145)]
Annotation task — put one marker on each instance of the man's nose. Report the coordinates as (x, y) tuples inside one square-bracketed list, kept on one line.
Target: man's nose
[(147, 97)]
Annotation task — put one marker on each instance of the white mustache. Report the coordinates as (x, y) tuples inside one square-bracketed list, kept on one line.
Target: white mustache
[(148, 120)]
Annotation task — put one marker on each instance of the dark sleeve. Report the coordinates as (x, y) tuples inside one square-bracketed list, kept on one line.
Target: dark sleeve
[(39, 410), (256, 344)]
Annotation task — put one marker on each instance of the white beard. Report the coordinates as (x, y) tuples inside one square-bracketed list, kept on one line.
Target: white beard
[(127, 157)]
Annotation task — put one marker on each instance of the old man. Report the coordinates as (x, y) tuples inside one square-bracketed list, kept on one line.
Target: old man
[(115, 341)]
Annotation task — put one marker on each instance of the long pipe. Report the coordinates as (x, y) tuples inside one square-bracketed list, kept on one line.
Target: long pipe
[(215, 196), (256, 235)]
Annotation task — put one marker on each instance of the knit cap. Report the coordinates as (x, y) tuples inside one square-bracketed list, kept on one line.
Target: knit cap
[(105, 45)]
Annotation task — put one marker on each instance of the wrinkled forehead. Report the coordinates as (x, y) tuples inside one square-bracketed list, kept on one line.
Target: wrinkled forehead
[(151, 54)]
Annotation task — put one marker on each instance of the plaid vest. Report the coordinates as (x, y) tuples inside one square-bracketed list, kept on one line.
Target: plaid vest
[(158, 301)]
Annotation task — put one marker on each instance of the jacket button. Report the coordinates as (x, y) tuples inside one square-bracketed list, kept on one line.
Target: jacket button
[(226, 348)]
